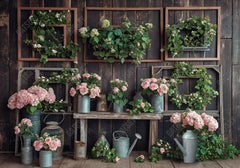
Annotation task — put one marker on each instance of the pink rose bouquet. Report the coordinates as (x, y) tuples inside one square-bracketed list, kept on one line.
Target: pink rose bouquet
[(193, 120), (31, 98), (85, 85), (119, 92), (154, 86), (24, 128), (47, 142)]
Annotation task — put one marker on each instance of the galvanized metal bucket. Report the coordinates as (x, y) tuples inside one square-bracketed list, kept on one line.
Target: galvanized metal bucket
[(117, 108), (26, 151), (158, 103), (121, 143), (83, 104), (45, 159)]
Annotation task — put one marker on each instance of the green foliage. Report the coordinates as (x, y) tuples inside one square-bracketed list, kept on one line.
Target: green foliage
[(140, 106), (193, 32), (102, 151), (204, 93), (140, 159), (119, 92), (46, 40), (160, 150), (212, 147), (57, 106), (129, 40)]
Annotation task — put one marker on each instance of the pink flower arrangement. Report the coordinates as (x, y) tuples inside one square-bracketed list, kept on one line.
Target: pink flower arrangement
[(47, 143), (195, 120), (88, 85), (155, 86), (24, 128), (140, 159), (162, 150), (119, 92), (31, 97)]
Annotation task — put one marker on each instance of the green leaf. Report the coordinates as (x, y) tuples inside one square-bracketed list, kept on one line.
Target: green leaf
[(33, 109), (118, 32), (203, 151), (219, 151)]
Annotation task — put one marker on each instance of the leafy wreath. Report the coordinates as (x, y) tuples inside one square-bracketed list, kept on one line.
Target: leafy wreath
[(204, 93), (46, 41), (192, 32)]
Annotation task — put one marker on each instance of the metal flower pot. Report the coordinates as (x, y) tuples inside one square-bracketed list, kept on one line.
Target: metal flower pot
[(45, 159), (117, 108), (157, 101), (83, 104), (26, 151)]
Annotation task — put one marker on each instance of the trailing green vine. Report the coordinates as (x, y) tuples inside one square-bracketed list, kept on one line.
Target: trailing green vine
[(46, 40), (204, 93)]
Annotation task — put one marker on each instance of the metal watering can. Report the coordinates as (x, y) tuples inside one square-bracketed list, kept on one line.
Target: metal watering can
[(189, 147), (121, 143)]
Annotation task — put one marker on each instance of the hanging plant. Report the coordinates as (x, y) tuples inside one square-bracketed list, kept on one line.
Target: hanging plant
[(47, 41), (110, 44), (192, 32), (204, 93)]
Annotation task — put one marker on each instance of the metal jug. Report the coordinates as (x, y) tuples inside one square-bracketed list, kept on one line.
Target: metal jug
[(121, 143), (189, 147)]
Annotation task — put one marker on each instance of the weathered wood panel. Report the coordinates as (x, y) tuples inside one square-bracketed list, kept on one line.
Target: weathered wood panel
[(236, 33)]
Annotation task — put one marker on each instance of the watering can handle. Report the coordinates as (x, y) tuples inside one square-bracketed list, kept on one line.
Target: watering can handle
[(123, 132), (45, 118)]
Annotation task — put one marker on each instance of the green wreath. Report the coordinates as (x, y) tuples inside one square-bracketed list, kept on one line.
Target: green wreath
[(201, 97)]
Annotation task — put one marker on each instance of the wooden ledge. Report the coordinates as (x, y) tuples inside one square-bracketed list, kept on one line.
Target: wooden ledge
[(117, 116)]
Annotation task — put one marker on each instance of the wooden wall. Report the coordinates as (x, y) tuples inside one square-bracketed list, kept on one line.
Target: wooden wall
[(230, 53)]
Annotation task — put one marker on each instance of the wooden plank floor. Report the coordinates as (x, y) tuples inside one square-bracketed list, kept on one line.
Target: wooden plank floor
[(10, 161)]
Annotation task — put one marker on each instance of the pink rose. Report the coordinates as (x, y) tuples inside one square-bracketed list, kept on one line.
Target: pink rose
[(38, 145), (58, 142), (164, 80), (141, 156), (158, 144), (47, 140), (160, 92), (162, 150), (145, 84), (50, 97), (164, 88), (115, 90), (73, 78), (213, 125), (127, 110), (98, 77), (117, 159), (117, 80), (78, 87), (78, 76), (53, 145), (176, 118), (86, 75), (172, 80), (83, 90), (29, 123), (84, 84), (17, 130), (72, 92), (24, 121), (154, 80), (153, 86), (124, 88), (94, 93), (142, 104), (12, 101)]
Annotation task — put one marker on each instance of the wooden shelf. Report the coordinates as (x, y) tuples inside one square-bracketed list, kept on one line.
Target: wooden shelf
[(117, 116)]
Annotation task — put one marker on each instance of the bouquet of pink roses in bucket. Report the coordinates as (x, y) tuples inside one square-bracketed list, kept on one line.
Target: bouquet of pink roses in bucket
[(85, 86), (156, 88), (46, 144)]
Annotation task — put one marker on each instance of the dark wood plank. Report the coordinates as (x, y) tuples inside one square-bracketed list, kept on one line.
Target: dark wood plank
[(236, 104), (212, 164), (226, 63), (230, 163), (226, 18), (236, 33)]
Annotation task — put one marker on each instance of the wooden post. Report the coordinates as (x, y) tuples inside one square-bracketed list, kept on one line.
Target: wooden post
[(83, 134), (153, 134)]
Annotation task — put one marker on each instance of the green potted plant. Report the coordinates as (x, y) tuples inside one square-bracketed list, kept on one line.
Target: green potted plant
[(127, 41), (191, 33), (118, 95), (140, 106)]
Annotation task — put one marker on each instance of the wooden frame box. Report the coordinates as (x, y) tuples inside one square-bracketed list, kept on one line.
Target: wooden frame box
[(87, 9), (194, 9)]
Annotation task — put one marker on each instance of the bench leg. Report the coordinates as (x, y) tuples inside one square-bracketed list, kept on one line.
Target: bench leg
[(153, 134), (83, 134)]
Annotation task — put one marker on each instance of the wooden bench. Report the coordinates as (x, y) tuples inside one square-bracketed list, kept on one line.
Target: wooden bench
[(83, 117)]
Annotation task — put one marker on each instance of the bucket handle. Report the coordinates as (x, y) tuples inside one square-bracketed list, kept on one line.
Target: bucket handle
[(122, 132), (59, 123)]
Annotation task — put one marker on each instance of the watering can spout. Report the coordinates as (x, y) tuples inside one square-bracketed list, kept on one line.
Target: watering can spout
[(138, 136), (180, 145)]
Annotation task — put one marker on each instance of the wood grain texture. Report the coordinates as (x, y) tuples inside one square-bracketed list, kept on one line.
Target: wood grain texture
[(236, 33)]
